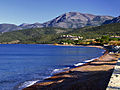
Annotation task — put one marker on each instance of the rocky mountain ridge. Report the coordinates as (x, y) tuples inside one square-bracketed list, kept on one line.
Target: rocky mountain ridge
[(114, 20), (67, 20), (77, 20)]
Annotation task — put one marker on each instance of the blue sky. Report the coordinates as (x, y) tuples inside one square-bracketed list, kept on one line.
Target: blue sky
[(31, 11)]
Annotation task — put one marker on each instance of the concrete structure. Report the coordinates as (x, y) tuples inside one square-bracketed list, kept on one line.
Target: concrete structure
[(114, 83)]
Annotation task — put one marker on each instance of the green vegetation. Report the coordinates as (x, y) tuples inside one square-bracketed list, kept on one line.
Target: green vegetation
[(32, 36), (96, 35), (91, 35), (98, 31)]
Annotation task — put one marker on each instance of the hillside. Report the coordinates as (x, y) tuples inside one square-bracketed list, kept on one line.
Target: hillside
[(114, 20), (8, 28), (37, 35), (98, 31), (52, 35)]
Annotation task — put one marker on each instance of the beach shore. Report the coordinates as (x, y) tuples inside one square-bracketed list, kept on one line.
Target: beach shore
[(94, 75)]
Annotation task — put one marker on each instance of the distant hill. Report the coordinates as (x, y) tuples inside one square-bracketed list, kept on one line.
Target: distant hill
[(114, 20), (51, 35), (67, 20), (8, 27), (28, 26)]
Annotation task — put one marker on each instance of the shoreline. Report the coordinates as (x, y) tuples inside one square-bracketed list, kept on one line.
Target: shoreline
[(50, 81), (65, 69), (85, 63)]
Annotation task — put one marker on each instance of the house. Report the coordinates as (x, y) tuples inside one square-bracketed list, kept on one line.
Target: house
[(72, 37)]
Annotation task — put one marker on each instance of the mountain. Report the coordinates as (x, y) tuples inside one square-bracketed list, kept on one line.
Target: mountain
[(71, 20), (27, 26), (67, 20), (12, 27), (114, 20), (8, 27), (76, 20), (24, 24), (51, 35)]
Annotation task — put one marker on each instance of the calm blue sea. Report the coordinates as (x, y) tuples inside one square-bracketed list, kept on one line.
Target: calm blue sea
[(22, 65)]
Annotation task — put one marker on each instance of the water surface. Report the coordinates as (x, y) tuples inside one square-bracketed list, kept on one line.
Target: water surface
[(20, 64)]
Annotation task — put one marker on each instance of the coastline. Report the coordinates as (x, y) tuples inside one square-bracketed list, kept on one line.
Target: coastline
[(104, 64)]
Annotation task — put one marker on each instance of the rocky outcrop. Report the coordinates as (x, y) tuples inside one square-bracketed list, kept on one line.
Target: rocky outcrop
[(114, 20)]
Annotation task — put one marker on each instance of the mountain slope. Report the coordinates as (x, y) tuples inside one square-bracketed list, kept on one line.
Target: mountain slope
[(28, 26), (51, 35), (114, 20), (67, 20), (77, 20), (35, 35), (98, 31), (8, 27)]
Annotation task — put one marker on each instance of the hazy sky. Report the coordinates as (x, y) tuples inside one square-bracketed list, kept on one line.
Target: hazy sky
[(31, 11)]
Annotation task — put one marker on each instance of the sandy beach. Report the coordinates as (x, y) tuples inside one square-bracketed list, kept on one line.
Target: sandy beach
[(94, 75)]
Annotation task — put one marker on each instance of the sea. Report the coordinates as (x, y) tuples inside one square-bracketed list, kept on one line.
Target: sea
[(22, 65)]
